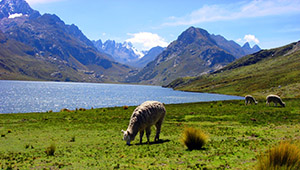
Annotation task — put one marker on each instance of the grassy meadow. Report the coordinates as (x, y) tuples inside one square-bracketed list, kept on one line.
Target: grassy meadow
[(92, 139)]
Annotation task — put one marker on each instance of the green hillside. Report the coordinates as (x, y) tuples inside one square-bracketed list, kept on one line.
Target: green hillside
[(275, 71)]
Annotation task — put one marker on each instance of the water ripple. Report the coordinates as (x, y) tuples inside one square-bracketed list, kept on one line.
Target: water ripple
[(27, 96)]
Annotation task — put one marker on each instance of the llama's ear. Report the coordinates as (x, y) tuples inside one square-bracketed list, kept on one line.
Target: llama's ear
[(122, 131)]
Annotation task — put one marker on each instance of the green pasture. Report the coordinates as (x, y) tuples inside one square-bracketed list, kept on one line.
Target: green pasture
[(92, 139)]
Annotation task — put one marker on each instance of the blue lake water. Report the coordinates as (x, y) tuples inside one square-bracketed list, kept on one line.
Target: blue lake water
[(29, 96)]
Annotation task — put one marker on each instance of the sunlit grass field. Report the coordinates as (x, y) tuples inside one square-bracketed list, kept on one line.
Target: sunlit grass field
[(92, 139)]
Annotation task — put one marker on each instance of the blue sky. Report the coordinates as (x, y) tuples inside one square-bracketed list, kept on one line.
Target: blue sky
[(268, 23)]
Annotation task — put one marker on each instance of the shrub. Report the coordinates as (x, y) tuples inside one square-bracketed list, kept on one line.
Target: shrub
[(125, 107), (194, 138), (285, 156), (50, 150)]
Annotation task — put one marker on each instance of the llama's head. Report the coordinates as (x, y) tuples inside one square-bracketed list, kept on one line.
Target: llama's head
[(126, 137), (283, 104)]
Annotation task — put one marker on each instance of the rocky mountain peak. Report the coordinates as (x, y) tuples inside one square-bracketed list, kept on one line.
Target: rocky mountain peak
[(193, 34), (193, 53), (15, 8), (246, 46), (256, 48), (248, 50), (124, 52)]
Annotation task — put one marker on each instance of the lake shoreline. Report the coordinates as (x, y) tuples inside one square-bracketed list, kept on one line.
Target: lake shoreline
[(114, 107), (25, 97)]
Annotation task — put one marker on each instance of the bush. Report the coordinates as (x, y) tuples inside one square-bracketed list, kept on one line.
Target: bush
[(194, 138), (285, 156), (50, 150)]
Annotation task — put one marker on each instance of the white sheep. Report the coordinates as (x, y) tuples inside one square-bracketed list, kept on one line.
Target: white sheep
[(275, 99), (143, 117), (250, 99)]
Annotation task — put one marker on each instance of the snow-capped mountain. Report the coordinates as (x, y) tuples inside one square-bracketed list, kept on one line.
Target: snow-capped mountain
[(16, 8), (124, 52), (62, 50)]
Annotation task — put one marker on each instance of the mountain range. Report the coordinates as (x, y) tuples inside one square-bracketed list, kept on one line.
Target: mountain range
[(273, 71), (54, 41), (125, 53), (195, 52), (43, 47)]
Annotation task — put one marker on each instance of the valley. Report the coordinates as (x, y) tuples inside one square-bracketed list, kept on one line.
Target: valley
[(61, 52), (184, 48)]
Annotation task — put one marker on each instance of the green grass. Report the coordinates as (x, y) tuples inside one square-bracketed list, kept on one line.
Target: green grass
[(92, 139)]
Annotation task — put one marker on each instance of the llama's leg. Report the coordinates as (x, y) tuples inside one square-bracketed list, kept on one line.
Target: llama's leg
[(148, 132), (141, 136), (158, 128)]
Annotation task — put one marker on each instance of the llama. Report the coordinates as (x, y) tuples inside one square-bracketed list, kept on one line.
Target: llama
[(143, 117), (249, 100), (275, 99)]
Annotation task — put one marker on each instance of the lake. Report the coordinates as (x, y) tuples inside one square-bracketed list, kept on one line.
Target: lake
[(32, 96)]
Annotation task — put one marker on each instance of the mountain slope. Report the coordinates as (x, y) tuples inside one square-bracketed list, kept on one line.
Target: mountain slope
[(149, 56), (51, 39), (18, 62), (274, 71), (193, 53)]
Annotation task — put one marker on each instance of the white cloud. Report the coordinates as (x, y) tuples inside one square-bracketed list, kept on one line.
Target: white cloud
[(252, 9), (248, 38), (31, 2), (146, 40), (251, 38)]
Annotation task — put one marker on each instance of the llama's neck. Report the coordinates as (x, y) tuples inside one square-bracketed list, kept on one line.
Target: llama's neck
[(133, 129)]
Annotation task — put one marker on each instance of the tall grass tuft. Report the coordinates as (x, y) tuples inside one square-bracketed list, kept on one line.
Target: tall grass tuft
[(50, 150), (285, 156), (194, 138)]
